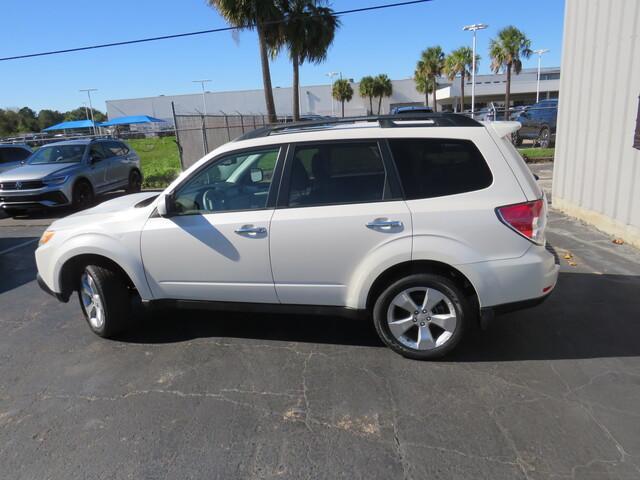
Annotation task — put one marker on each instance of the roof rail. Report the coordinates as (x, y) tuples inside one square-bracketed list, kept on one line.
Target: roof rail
[(407, 119)]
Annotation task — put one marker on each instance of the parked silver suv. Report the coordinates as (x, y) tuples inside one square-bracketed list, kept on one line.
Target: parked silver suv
[(70, 173)]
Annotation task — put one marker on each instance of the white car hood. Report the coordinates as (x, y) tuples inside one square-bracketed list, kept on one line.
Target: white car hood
[(118, 207)]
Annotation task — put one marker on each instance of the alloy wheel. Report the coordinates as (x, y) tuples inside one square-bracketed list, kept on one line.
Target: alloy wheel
[(422, 318), (92, 301)]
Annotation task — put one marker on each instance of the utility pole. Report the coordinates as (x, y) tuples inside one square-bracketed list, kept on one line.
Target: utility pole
[(474, 28), (540, 52), (89, 90), (331, 75), (204, 98)]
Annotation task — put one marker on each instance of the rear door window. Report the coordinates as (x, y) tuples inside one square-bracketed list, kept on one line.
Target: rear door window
[(433, 167), (338, 173)]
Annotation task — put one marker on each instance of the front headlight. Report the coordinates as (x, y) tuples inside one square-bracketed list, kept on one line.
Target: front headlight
[(46, 236), (55, 180)]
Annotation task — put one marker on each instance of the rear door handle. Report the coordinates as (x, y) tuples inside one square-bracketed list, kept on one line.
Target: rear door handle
[(251, 230), (384, 224)]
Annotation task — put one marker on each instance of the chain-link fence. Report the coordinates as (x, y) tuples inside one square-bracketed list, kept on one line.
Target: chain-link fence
[(197, 135)]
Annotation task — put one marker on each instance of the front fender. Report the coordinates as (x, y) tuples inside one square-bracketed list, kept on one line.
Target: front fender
[(127, 257)]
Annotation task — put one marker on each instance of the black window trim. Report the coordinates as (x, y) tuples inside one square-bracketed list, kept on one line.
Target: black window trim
[(391, 191), (274, 186)]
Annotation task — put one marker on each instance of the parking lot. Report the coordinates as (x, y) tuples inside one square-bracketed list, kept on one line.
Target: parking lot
[(551, 392)]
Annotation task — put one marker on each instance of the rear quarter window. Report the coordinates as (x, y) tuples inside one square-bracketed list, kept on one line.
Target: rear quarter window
[(430, 167)]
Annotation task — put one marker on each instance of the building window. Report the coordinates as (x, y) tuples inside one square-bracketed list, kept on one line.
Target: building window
[(636, 137)]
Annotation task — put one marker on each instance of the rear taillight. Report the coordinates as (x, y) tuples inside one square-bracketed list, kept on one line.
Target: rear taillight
[(529, 219)]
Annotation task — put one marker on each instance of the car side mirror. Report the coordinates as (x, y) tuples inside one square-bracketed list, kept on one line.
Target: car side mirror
[(257, 175), (166, 205)]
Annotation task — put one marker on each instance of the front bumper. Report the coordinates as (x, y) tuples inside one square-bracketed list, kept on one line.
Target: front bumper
[(45, 288), (38, 198)]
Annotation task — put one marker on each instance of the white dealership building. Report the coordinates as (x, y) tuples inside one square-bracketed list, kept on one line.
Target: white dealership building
[(316, 99)]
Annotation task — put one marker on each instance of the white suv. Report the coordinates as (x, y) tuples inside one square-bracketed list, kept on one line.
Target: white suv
[(424, 223)]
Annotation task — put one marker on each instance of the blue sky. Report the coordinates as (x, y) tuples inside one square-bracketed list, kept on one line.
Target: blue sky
[(384, 41)]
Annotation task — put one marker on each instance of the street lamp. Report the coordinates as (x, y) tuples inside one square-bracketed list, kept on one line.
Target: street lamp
[(204, 98), (331, 75), (473, 28), (89, 90), (540, 52)]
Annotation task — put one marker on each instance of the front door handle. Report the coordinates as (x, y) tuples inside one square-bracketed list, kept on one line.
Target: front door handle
[(251, 230), (384, 224)]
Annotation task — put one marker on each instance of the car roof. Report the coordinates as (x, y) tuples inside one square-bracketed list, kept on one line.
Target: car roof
[(78, 141)]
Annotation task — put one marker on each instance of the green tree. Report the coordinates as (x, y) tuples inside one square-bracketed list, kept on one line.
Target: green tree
[(460, 62), (9, 122), (307, 31), (342, 92), (28, 121), (423, 85), (367, 90), (382, 87), (80, 113), (263, 15), (47, 118), (506, 51), (429, 68)]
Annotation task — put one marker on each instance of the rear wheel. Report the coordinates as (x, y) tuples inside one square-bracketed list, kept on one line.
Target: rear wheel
[(135, 182), (516, 139), (544, 138), (422, 316), (105, 300), (82, 195)]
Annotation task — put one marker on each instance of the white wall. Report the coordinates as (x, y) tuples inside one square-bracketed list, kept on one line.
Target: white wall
[(597, 170)]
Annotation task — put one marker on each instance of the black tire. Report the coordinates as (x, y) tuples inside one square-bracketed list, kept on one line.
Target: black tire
[(114, 296), (135, 182), (544, 138), (516, 139), (460, 303), (82, 195)]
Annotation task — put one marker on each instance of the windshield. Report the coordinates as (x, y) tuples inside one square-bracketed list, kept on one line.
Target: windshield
[(58, 154)]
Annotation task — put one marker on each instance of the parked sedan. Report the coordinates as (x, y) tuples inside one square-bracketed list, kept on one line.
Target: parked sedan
[(538, 123), (70, 173), (12, 156)]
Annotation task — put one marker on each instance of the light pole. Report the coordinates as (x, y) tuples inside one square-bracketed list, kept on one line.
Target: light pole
[(331, 75), (89, 90), (204, 98), (473, 28), (540, 52)]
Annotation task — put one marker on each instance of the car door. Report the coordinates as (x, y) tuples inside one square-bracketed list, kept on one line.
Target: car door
[(118, 170), (338, 210), (98, 166), (215, 247)]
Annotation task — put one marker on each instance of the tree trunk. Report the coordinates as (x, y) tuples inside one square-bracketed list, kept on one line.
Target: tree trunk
[(462, 92), (296, 88), (508, 93), (379, 104), (370, 105), (342, 108), (266, 77), (426, 97), (435, 105)]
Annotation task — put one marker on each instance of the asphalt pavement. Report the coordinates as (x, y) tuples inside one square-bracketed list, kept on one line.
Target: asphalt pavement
[(551, 392)]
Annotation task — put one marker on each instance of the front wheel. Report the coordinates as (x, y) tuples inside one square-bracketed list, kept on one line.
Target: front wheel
[(105, 300), (82, 195), (544, 139), (422, 316)]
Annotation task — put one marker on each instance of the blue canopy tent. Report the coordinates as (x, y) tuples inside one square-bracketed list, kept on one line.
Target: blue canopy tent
[(130, 120), (70, 125)]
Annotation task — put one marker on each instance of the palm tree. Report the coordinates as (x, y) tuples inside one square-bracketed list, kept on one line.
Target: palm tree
[(342, 92), (367, 90), (382, 87), (423, 84), (307, 31), (264, 17), (460, 61), (430, 67), (505, 51)]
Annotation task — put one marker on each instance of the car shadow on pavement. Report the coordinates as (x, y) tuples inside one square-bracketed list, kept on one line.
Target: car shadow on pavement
[(14, 272), (588, 316)]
